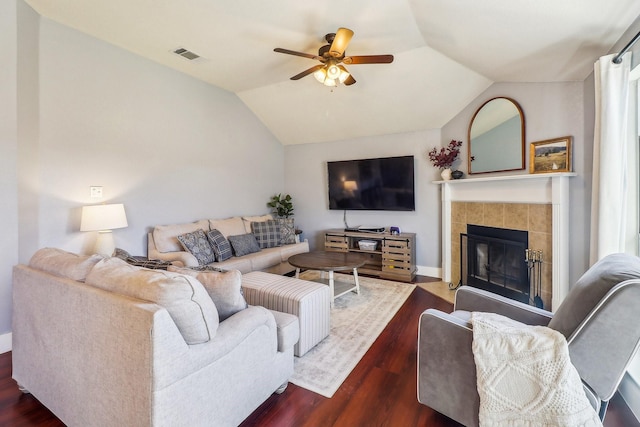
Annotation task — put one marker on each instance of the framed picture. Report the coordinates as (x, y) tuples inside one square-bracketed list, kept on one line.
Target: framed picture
[(552, 155)]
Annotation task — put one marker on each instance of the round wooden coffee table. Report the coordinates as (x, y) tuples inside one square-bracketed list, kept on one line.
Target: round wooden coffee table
[(330, 262)]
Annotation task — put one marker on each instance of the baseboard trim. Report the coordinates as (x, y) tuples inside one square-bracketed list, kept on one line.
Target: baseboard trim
[(630, 392), (429, 271), (5, 342)]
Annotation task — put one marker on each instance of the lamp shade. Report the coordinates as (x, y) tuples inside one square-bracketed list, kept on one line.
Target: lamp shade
[(103, 217)]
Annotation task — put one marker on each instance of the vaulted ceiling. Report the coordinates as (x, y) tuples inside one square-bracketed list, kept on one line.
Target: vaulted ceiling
[(446, 52)]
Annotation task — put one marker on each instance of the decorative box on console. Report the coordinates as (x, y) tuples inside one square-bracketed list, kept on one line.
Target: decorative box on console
[(367, 245)]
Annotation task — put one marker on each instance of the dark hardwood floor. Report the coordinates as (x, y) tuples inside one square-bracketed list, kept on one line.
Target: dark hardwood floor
[(380, 391)]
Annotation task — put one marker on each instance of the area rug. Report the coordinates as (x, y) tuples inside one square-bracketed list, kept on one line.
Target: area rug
[(356, 322)]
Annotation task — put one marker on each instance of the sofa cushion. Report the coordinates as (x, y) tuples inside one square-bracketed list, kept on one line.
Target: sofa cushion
[(166, 236), (228, 227), (244, 244), (220, 245), (243, 264), (64, 264), (197, 244), (288, 329), (247, 220), (184, 297), (224, 288), (267, 233), (287, 231), (264, 259)]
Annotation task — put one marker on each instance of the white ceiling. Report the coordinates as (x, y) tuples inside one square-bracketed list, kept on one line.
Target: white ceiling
[(446, 52)]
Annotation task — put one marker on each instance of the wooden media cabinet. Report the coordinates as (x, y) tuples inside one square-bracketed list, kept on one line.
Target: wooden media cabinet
[(393, 258)]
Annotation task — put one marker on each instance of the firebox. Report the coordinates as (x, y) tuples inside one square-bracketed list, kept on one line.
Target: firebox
[(493, 259)]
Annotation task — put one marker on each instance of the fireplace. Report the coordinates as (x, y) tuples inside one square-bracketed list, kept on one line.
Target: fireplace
[(493, 259), (538, 203)]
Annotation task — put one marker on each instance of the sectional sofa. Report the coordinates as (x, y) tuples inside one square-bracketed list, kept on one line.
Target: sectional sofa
[(104, 343), (163, 243)]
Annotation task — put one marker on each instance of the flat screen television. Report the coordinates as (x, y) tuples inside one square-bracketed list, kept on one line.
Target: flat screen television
[(372, 184)]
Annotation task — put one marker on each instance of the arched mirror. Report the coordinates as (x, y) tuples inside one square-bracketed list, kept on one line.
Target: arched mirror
[(496, 137)]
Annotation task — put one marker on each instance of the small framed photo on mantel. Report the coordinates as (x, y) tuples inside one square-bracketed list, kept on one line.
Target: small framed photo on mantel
[(552, 155)]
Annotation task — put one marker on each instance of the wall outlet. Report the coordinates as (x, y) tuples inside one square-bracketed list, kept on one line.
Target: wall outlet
[(95, 191)]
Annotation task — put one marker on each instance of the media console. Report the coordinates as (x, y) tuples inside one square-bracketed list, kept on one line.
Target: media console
[(393, 257)]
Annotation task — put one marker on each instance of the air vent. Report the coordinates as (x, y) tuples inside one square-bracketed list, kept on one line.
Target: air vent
[(186, 54)]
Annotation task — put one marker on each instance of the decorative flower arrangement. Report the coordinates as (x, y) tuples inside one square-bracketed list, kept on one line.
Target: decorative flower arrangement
[(444, 158)]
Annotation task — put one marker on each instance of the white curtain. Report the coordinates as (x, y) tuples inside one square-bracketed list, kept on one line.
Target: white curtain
[(614, 202)]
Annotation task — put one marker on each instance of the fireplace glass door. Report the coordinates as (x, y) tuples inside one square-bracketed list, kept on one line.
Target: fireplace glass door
[(496, 264)]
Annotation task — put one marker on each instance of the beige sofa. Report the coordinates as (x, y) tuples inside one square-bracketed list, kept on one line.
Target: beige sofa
[(90, 343), (163, 244)]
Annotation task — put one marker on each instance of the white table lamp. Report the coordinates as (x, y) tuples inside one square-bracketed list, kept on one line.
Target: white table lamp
[(103, 219)]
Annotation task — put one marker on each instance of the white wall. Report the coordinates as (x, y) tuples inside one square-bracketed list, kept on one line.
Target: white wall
[(550, 110), (306, 181), (171, 148)]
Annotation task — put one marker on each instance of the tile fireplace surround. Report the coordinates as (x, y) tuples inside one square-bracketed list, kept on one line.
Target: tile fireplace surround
[(537, 203)]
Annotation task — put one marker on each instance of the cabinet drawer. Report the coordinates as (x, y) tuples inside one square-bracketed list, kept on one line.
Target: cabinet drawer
[(398, 250), (336, 243)]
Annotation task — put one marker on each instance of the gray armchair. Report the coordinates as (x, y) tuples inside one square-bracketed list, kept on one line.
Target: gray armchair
[(598, 318)]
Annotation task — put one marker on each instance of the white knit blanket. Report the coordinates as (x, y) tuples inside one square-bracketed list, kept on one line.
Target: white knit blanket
[(525, 377)]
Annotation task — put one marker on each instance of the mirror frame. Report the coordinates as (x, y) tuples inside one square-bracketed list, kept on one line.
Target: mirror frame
[(522, 142)]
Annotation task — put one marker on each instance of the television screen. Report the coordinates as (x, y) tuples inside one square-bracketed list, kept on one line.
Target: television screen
[(372, 184)]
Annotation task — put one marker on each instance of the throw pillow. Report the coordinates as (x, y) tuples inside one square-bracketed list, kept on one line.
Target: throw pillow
[(165, 237), (287, 231), (267, 233), (63, 264), (244, 244), (228, 227), (224, 288), (220, 245), (197, 244), (184, 297), (247, 220)]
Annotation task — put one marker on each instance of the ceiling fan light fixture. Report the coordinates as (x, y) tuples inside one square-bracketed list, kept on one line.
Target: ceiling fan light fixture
[(320, 75), (330, 82), (333, 72), (344, 75)]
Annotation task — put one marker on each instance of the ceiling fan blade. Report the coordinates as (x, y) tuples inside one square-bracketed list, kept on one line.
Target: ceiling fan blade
[(340, 42), (368, 59), (307, 72), (349, 80), (293, 52)]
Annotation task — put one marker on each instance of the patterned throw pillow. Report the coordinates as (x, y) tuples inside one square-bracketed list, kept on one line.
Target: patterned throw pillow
[(287, 231), (244, 244), (197, 244), (220, 245), (267, 233)]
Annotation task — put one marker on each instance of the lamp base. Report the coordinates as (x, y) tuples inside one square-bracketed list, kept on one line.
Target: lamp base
[(105, 244)]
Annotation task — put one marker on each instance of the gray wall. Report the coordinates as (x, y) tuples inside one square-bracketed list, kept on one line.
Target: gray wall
[(306, 181), (81, 112), (171, 148), (550, 110), (8, 159)]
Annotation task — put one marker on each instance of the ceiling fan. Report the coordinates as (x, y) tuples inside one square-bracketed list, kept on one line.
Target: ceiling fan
[(330, 71)]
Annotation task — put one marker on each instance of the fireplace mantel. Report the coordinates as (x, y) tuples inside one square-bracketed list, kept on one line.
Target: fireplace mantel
[(551, 188)]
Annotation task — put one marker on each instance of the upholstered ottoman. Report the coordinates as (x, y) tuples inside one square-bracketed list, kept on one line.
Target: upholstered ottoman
[(309, 301)]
